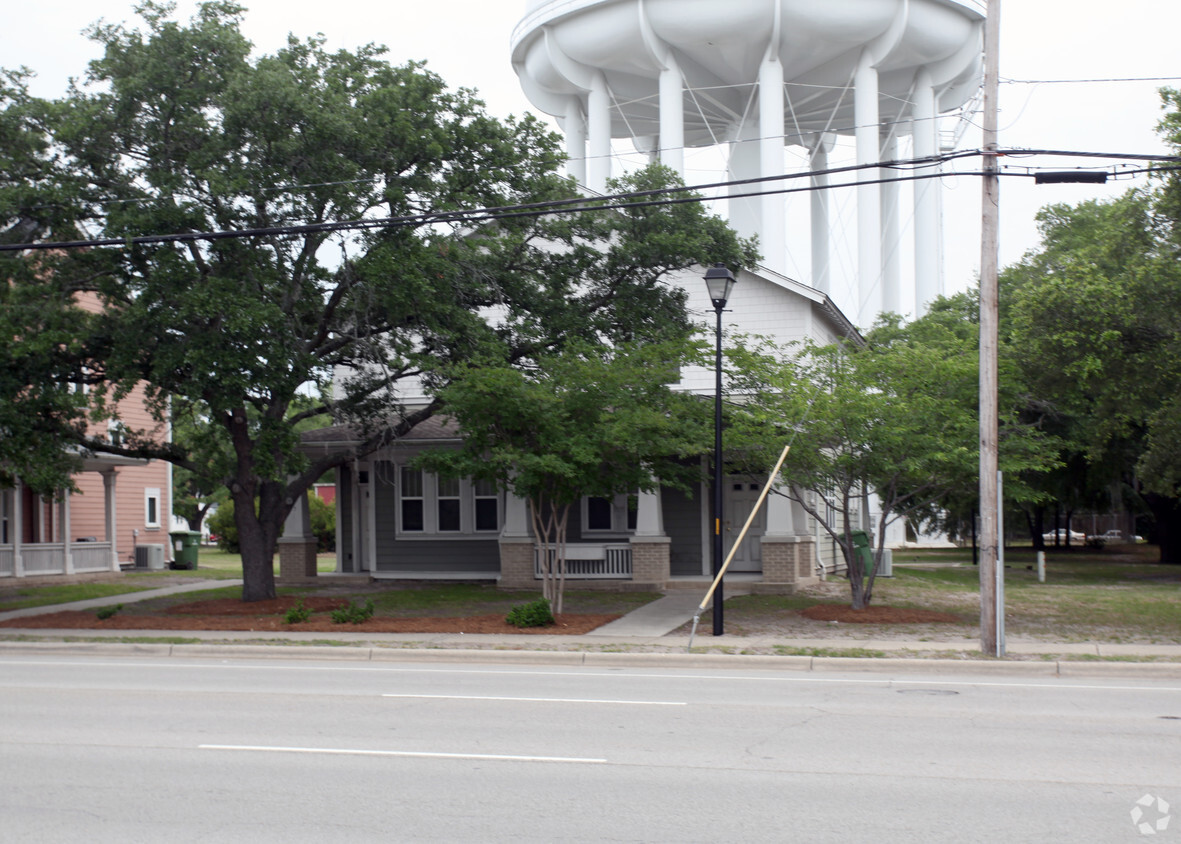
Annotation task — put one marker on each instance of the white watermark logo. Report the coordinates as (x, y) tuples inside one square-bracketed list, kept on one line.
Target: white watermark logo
[(1151, 815)]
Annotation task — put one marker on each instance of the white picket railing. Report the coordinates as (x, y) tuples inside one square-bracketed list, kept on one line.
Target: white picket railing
[(590, 561), (91, 556), (40, 558)]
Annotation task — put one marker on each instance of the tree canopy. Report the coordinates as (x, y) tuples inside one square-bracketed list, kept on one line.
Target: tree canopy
[(1095, 312), (179, 130), (893, 417)]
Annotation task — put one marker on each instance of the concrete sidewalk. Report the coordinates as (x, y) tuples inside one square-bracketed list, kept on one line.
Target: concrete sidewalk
[(643, 634)]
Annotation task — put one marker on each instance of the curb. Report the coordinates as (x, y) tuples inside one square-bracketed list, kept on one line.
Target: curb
[(806, 664)]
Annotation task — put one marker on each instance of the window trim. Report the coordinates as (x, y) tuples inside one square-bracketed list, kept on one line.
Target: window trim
[(621, 523), (431, 500), (152, 494)]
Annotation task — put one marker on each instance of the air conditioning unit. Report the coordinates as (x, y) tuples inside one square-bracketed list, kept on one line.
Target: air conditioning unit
[(149, 556)]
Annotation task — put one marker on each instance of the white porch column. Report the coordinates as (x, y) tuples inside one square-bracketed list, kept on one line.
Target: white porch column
[(779, 515), (869, 197), (771, 120), (18, 528), (576, 140), (297, 545), (672, 117), (109, 516), (598, 120), (928, 258), (356, 553), (891, 231), (649, 514), (821, 255), (299, 521), (64, 526), (516, 517)]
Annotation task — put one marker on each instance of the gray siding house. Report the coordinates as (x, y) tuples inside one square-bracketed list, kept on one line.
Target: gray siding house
[(394, 521)]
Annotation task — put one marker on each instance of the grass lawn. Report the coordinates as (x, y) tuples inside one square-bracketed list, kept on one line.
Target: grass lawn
[(1116, 594), (1113, 595), (212, 564)]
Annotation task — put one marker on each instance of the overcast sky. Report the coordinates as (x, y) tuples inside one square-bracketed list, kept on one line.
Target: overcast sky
[(467, 43)]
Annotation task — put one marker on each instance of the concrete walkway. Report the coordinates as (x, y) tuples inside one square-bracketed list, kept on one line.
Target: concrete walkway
[(125, 598), (658, 618)]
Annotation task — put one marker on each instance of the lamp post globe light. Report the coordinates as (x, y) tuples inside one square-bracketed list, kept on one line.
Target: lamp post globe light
[(719, 281)]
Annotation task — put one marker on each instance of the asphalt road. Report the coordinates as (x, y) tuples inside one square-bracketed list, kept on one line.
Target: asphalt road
[(102, 749)]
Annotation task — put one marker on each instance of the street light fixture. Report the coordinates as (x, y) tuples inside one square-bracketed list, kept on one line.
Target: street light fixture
[(720, 282)]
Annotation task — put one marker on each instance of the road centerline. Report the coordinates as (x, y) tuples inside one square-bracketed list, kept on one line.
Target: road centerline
[(404, 754), (544, 700)]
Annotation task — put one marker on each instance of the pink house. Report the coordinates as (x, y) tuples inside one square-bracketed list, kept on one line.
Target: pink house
[(119, 515)]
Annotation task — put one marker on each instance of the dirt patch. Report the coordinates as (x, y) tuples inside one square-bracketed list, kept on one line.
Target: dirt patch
[(233, 614), (877, 615)]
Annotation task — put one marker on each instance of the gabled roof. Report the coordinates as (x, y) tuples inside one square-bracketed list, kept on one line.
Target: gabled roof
[(434, 429)]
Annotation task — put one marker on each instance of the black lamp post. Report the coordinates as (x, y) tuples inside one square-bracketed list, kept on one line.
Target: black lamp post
[(719, 281)]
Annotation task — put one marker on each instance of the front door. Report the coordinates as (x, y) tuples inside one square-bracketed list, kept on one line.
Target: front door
[(741, 496)]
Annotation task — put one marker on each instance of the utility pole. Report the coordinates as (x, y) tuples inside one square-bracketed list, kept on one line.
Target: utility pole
[(990, 608)]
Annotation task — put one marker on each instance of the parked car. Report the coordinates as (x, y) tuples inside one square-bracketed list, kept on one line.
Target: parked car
[(1060, 535), (1114, 535)]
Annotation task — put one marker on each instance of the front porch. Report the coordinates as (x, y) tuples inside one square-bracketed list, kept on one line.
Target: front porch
[(35, 531)]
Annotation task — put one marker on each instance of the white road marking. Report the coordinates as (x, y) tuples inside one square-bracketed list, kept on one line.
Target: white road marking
[(546, 700), (400, 753)]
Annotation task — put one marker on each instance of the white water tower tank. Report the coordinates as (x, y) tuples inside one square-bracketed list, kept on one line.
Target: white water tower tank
[(754, 77)]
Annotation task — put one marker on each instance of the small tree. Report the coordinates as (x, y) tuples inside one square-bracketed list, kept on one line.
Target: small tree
[(894, 417), (583, 421)]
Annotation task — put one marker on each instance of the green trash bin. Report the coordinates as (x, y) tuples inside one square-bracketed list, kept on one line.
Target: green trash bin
[(862, 550), (185, 544)]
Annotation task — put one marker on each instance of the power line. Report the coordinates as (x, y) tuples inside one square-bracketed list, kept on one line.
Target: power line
[(620, 201), (1091, 81)]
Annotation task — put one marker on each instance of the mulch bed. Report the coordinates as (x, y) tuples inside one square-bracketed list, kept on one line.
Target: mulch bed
[(233, 614)]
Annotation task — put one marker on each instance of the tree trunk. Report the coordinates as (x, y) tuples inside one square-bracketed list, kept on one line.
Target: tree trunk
[(1166, 513), (258, 568), (258, 535), (1036, 520)]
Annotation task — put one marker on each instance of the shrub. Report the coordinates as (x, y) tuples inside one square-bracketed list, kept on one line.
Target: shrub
[(534, 614), (222, 525), (353, 613), (297, 614), (322, 516), (108, 612)]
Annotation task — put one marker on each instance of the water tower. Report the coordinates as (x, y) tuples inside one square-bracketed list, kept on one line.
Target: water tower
[(754, 78)]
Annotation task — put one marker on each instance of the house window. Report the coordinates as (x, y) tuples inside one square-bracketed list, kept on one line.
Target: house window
[(413, 500), (448, 502), (487, 503), (609, 515), (432, 505), (598, 513), (152, 508), (5, 509)]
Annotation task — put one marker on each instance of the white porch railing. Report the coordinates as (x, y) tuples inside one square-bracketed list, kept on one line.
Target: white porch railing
[(91, 556), (589, 561), (38, 558), (44, 558)]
